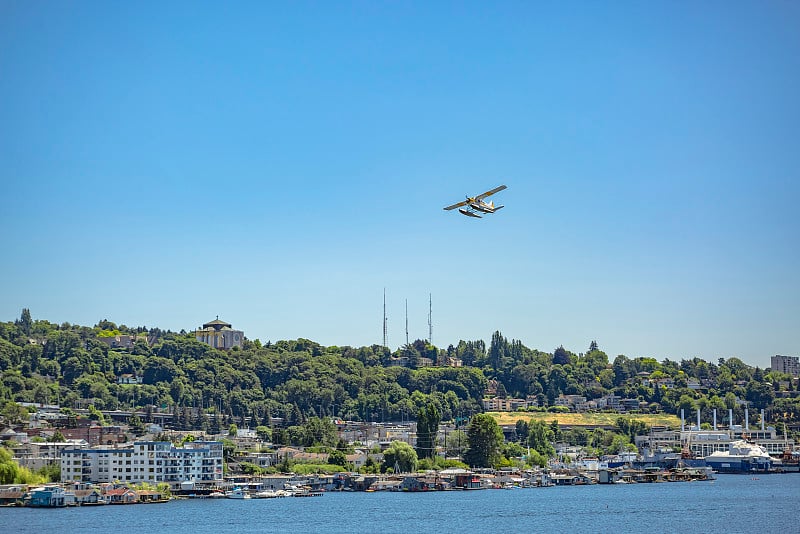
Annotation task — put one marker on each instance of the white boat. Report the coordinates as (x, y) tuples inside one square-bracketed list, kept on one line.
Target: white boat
[(237, 493), (741, 457), (267, 494)]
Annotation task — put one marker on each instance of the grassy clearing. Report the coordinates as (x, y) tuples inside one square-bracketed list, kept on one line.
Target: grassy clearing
[(585, 419)]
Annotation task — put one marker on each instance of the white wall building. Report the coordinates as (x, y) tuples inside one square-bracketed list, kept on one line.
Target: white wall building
[(151, 461), (37, 455)]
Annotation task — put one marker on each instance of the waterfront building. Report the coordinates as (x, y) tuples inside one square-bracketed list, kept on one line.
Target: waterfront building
[(121, 495), (84, 493), (47, 497), (146, 461), (35, 455), (12, 494), (703, 443), (219, 335)]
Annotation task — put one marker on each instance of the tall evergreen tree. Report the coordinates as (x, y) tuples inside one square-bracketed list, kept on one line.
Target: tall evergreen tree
[(560, 356), (215, 424), (428, 420), (540, 437), (485, 441), (497, 351), (25, 323), (176, 417)]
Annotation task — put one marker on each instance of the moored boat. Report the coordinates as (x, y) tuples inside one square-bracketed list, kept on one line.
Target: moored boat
[(741, 457), (237, 493)]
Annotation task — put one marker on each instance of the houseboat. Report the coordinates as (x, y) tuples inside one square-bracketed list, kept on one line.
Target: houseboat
[(47, 497)]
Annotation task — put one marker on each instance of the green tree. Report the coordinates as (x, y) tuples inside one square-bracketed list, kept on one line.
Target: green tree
[(400, 457), (250, 468), (318, 431), (96, 415), (485, 440), (687, 404), (540, 438), (560, 356), (280, 436), (759, 393), (51, 472), (136, 425), (14, 413), (501, 391), (606, 378), (428, 419), (25, 322), (337, 457), (630, 427), (370, 466), (730, 400), (456, 443), (159, 370), (12, 473), (521, 428), (264, 433)]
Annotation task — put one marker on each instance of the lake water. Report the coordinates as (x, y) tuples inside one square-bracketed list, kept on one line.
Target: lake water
[(732, 503)]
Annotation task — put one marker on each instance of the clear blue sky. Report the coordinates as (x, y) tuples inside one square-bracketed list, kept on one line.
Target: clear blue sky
[(280, 163)]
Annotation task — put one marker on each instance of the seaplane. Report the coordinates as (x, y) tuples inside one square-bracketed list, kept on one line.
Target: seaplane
[(475, 206)]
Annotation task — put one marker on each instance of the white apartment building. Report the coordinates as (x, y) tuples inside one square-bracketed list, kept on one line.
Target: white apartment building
[(37, 455), (150, 461)]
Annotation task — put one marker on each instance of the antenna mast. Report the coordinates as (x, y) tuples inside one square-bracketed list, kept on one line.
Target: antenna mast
[(406, 321), (384, 317), (430, 319)]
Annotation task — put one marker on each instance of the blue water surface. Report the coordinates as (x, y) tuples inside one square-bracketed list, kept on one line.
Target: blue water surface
[(732, 503)]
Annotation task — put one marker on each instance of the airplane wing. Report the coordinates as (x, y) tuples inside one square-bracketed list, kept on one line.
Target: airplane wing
[(492, 192), (454, 206)]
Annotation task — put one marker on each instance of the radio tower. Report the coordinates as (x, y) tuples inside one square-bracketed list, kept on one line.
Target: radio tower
[(384, 317), (406, 321), (430, 319)]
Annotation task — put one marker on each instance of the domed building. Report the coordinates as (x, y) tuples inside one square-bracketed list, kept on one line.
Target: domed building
[(219, 335)]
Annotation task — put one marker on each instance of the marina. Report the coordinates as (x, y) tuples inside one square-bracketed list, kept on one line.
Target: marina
[(729, 504), (66, 495)]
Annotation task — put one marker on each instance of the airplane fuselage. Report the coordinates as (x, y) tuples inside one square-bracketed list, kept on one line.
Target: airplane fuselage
[(483, 207)]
